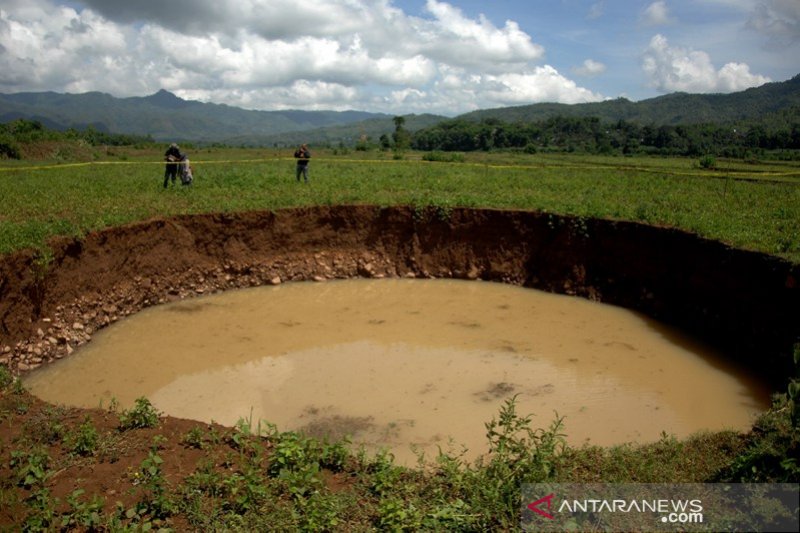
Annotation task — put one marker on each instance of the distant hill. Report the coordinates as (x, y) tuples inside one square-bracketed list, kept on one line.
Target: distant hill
[(671, 109), (347, 134), (166, 117)]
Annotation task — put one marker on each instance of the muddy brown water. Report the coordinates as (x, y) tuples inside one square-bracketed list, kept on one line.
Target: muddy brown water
[(409, 365)]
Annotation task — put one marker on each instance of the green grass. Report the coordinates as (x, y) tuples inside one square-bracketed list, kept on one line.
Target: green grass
[(254, 478), (751, 206), (276, 481)]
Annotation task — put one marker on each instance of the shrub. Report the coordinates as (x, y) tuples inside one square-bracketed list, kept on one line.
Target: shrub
[(8, 149), (444, 157), (84, 441), (143, 415), (708, 162)]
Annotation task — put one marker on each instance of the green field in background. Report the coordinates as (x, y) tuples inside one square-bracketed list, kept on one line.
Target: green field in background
[(747, 205)]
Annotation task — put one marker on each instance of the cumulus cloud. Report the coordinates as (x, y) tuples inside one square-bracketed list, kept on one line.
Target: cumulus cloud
[(676, 69), (590, 67), (458, 40), (543, 84), (276, 54), (656, 14)]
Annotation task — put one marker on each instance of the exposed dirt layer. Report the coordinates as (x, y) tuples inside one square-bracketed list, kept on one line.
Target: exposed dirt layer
[(746, 303)]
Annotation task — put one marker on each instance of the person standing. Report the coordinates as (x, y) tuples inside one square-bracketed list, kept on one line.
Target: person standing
[(302, 154), (171, 156)]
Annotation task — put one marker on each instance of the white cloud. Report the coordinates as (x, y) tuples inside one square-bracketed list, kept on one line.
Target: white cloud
[(656, 14), (590, 67), (457, 40), (301, 94), (676, 69), (543, 84), (276, 54)]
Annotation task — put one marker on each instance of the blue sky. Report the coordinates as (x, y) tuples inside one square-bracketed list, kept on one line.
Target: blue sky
[(397, 56)]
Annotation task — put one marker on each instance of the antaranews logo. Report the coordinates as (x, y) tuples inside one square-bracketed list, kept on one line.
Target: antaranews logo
[(553, 512), (562, 507), (667, 510), (536, 506)]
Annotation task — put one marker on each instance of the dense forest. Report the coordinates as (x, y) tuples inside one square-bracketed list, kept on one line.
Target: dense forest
[(779, 131)]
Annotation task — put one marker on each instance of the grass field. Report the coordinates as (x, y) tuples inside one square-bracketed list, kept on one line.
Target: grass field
[(254, 480), (748, 205)]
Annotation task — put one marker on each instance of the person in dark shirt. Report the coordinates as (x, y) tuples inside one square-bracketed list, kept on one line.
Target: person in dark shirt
[(171, 156), (303, 155)]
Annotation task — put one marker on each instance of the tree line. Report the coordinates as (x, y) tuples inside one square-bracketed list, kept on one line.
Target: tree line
[(595, 136), (21, 131), (776, 135)]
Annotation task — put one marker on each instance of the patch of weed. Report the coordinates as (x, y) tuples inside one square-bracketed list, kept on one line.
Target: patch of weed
[(142, 415)]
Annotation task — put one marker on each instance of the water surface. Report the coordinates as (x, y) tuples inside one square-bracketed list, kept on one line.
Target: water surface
[(408, 364)]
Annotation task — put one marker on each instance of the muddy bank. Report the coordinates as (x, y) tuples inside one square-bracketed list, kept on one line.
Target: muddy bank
[(745, 303)]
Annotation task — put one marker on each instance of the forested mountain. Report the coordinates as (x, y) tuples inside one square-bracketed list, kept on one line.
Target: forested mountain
[(164, 116), (671, 109), (679, 122), (367, 131), (744, 124)]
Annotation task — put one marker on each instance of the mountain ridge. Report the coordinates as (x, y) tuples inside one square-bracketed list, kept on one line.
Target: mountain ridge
[(669, 109), (167, 117)]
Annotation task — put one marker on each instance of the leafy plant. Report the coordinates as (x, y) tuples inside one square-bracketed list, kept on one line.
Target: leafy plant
[(395, 514), (289, 452), (517, 454), (320, 512), (142, 415), (31, 468), (295, 461), (513, 443), (245, 491), (155, 503), (193, 438), (87, 515), (43, 513)]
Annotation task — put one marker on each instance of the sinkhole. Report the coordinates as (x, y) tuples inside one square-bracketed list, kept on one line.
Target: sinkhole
[(413, 366)]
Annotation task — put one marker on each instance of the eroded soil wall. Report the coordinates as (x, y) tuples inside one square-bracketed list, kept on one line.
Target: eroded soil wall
[(746, 303)]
